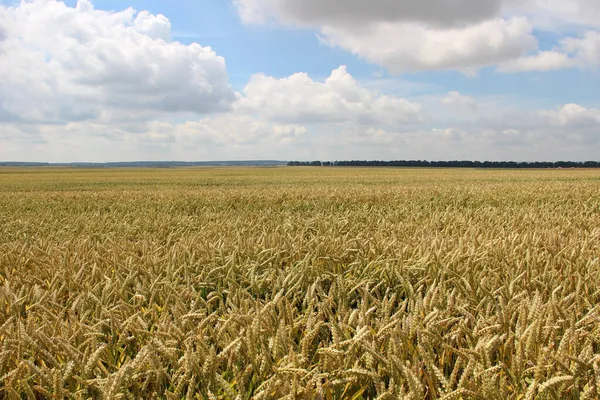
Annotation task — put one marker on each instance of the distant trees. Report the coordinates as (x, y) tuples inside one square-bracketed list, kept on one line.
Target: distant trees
[(450, 164), (306, 164)]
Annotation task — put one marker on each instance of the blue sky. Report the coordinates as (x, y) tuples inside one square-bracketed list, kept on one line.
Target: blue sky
[(500, 80)]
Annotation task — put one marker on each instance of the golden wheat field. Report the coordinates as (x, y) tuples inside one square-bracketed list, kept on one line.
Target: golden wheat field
[(299, 283)]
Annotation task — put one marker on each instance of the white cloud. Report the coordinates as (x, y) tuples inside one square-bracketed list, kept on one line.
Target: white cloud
[(583, 52), (555, 14), (460, 100), (525, 137), (225, 136), (407, 36), (339, 99), (153, 26), (572, 116), (239, 130), (543, 61), (464, 35), (568, 132), (59, 63), (411, 47)]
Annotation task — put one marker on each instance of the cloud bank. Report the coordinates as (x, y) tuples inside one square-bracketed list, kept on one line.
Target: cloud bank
[(82, 84)]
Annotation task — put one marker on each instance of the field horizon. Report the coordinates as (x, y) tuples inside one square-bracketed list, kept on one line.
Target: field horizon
[(506, 164)]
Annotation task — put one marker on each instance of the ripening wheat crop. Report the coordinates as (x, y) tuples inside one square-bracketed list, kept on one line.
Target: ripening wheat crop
[(299, 283)]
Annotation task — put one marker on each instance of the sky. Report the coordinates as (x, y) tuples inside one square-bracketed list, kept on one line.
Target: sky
[(206, 80)]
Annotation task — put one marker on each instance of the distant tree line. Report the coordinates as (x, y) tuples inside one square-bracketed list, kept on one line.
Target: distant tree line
[(449, 164)]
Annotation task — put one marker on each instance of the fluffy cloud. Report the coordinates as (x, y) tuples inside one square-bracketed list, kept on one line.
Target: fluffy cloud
[(59, 63), (407, 36), (338, 99), (543, 61), (411, 47), (460, 100), (239, 130), (583, 52), (436, 34), (573, 116)]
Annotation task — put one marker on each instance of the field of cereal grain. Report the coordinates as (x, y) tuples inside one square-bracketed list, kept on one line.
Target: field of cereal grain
[(299, 283)]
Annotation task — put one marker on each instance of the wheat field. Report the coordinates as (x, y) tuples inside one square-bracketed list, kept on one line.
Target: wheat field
[(299, 283)]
